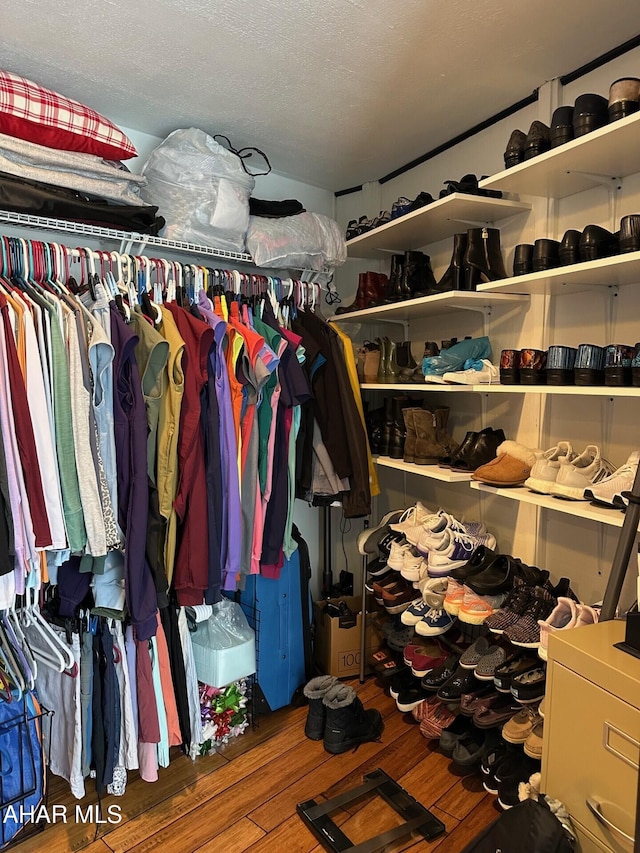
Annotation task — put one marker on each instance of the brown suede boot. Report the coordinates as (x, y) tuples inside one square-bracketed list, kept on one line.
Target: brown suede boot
[(411, 436), (442, 436), (428, 449)]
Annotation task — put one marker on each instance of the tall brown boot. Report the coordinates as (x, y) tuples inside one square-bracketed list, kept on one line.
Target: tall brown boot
[(411, 435), (428, 449), (443, 438)]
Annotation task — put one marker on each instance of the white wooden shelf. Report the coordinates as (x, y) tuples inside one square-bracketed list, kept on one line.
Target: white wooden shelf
[(430, 306), (414, 386), (436, 221), (581, 509), (433, 472), (555, 390), (616, 271), (609, 152)]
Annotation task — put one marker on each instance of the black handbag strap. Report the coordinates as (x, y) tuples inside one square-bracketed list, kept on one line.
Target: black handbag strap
[(245, 154)]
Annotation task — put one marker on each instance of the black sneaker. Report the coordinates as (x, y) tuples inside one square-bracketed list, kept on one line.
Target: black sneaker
[(462, 681), (491, 762), (402, 681), (513, 666), (433, 680), (511, 608), (411, 697)]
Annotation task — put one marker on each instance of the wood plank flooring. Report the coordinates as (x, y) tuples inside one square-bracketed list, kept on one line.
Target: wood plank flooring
[(244, 797)]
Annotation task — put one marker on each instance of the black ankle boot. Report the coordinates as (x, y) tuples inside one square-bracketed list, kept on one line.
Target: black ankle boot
[(394, 289), (348, 724), (398, 431), (417, 276), (453, 279), (483, 261), (387, 426)]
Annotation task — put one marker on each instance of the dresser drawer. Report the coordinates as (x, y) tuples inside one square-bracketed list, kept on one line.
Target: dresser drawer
[(592, 753), (586, 842)]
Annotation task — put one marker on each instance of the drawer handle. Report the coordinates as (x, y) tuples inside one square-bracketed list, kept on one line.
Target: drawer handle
[(595, 807)]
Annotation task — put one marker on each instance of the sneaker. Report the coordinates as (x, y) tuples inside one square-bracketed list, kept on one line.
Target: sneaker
[(423, 664), (486, 375), (545, 469), (386, 581), (567, 614), (368, 540), (395, 560), (609, 491), (511, 608), (471, 656), (416, 611), (510, 774), (434, 680), (476, 608), (413, 567), (435, 529), (412, 517), (454, 596), (581, 473), (436, 719), (376, 568), (525, 633), (411, 697), (436, 622), (456, 549), (528, 687), (494, 657)]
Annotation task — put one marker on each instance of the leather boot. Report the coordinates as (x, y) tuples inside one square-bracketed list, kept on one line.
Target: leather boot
[(370, 366), (443, 438), (387, 426), (483, 261), (380, 286), (417, 276), (398, 430), (375, 422), (366, 294), (392, 369), (382, 364), (406, 361), (394, 287), (453, 279), (410, 435), (427, 448)]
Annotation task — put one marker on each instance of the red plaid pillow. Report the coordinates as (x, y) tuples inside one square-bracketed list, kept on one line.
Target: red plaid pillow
[(41, 115)]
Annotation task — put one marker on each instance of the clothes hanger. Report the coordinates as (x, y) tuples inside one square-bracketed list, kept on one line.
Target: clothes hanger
[(52, 652)]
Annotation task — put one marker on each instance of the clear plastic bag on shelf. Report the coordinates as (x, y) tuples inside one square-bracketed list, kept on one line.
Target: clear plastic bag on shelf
[(200, 188), (308, 241)]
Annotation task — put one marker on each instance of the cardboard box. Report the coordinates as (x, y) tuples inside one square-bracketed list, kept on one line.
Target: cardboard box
[(337, 650)]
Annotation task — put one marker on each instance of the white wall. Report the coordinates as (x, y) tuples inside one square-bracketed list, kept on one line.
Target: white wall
[(567, 546)]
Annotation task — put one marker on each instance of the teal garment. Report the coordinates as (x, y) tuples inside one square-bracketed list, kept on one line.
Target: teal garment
[(265, 414), (65, 446)]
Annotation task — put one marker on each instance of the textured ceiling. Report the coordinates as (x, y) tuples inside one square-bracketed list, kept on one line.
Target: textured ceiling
[(337, 92)]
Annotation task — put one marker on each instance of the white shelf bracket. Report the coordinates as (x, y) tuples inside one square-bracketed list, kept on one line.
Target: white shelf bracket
[(472, 223), (611, 182)]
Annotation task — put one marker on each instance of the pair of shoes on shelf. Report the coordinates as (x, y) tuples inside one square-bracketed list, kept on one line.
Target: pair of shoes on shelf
[(372, 290), (476, 259), (476, 449), (468, 184), (587, 476), (511, 466), (356, 228)]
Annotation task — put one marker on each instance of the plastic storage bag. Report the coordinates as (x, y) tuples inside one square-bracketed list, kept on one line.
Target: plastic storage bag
[(201, 190), (306, 241), (454, 358), (224, 646)]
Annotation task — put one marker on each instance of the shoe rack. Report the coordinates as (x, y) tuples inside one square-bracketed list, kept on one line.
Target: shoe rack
[(604, 158)]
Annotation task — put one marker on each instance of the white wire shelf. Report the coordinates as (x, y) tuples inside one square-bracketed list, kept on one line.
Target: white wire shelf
[(44, 223)]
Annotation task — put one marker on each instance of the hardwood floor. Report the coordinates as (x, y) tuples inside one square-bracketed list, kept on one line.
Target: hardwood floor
[(244, 798)]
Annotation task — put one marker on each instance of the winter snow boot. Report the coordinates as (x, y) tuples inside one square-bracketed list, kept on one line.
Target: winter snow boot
[(315, 691), (348, 724)]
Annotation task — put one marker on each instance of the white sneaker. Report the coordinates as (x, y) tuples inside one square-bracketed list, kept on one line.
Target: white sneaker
[(488, 374), (474, 608), (395, 559), (435, 529), (564, 615), (456, 550), (413, 568), (609, 491), (412, 517), (581, 473), (545, 469)]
